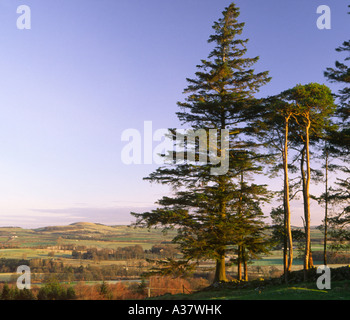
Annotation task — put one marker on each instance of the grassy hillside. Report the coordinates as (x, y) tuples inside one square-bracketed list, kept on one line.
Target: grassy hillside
[(276, 289), (49, 243), (37, 243), (308, 291), (81, 233)]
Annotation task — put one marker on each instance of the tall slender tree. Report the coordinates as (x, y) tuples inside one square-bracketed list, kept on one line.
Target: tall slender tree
[(314, 105), (207, 208), (273, 126), (327, 153)]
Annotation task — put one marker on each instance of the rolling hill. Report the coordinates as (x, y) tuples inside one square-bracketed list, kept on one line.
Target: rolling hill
[(81, 233)]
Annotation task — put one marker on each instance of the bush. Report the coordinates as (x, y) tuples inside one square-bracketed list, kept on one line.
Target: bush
[(71, 295), (53, 290), (105, 291), (8, 293), (25, 294)]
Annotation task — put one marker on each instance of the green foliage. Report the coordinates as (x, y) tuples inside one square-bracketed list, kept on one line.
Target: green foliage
[(53, 290), (25, 294), (105, 290), (340, 195), (215, 214), (312, 106), (7, 293), (15, 294), (340, 74), (71, 295), (224, 87), (124, 253)]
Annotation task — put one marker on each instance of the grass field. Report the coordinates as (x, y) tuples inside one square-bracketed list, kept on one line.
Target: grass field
[(83, 234), (44, 243), (39, 243), (29, 253), (340, 290), (49, 242)]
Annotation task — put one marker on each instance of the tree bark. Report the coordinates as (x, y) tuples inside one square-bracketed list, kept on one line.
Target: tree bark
[(240, 247), (220, 271), (306, 197), (245, 266), (286, 197), (285, 243), (239, 264), (326, 213)]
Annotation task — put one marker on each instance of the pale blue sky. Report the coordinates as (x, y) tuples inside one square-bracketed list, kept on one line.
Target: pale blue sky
[(89, 69)]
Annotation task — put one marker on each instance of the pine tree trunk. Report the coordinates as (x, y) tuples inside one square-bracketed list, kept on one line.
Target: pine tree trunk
[(303, 178), (245, 266), (306, 196), (326, 215), (287, 201), (220, 271), (288, 213), (240, 248), (285, 241), (239, 264)]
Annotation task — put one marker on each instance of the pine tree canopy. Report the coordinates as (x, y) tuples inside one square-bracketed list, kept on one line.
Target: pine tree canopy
[(215, 213)]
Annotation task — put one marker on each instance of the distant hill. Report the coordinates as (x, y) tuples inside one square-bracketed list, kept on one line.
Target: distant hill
[(79, 227), (82, 233), (85, 224)]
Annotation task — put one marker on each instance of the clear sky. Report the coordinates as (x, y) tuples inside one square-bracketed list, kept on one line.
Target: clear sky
[(89, 69)]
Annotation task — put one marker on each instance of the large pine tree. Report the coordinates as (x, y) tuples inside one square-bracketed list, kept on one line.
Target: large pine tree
[(340, 74), (216, 213)]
